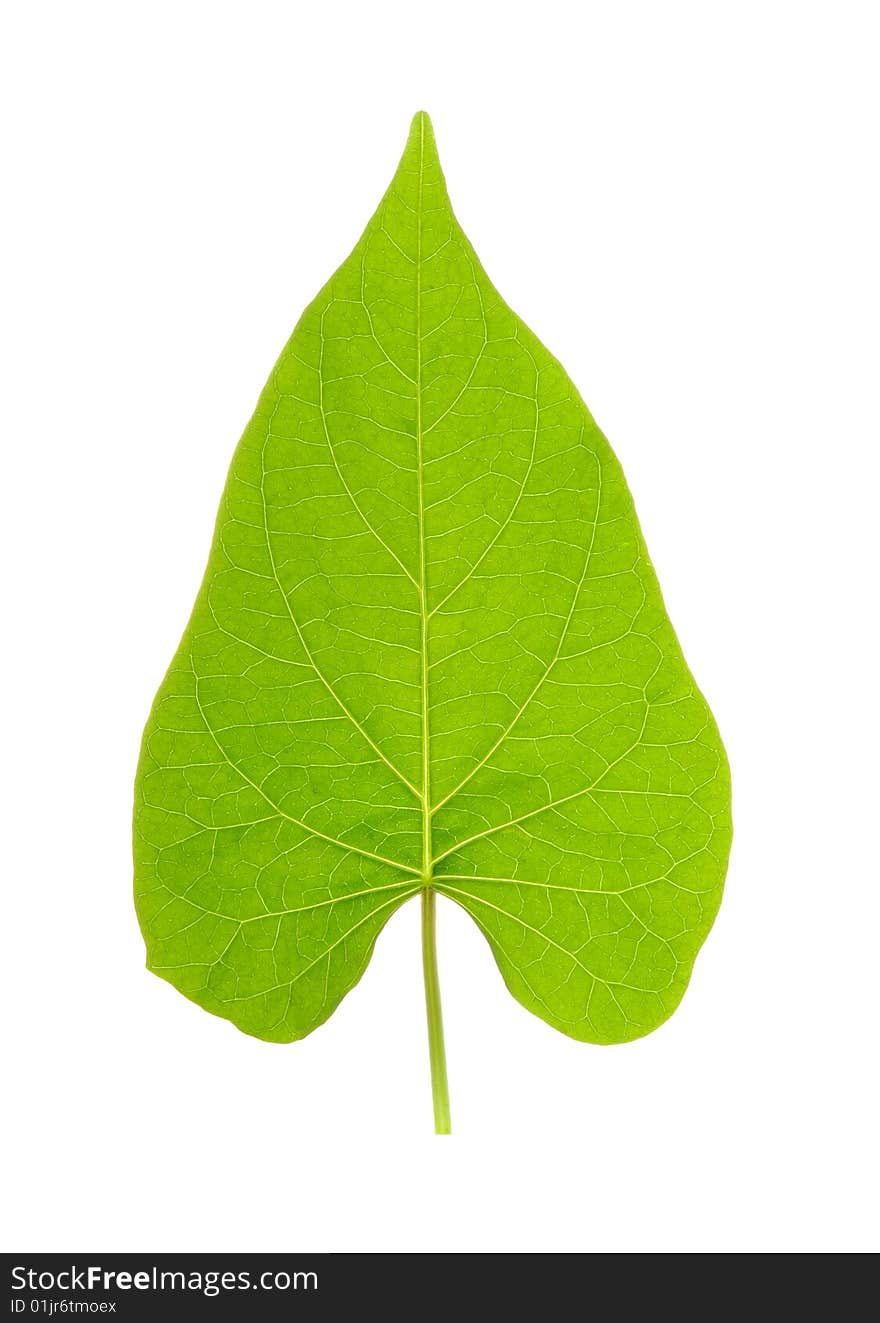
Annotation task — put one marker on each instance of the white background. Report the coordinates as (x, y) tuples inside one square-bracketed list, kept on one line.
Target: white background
[(681, 199)]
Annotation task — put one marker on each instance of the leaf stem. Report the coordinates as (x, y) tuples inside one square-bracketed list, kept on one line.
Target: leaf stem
[(436, 1045)]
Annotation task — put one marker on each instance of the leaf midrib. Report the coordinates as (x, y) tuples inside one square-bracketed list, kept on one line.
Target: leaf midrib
[(427, 843)]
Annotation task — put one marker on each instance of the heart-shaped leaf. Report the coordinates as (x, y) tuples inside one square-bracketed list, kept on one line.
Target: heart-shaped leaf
[(429, 655)]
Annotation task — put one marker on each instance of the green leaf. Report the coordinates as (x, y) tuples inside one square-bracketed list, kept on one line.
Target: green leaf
[(429, 650)]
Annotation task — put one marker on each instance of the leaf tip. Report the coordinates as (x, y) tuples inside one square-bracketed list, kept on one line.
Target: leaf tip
[(421, 134), (421, 120), (420, 156)]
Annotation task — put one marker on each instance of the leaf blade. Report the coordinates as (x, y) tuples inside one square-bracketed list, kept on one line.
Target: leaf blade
[(429, 639)]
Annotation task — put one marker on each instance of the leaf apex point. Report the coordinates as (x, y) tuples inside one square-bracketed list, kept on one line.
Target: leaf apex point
[(421, 126)]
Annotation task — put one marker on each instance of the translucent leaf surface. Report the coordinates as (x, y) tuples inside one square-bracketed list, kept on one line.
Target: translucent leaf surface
[(429, 650)]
